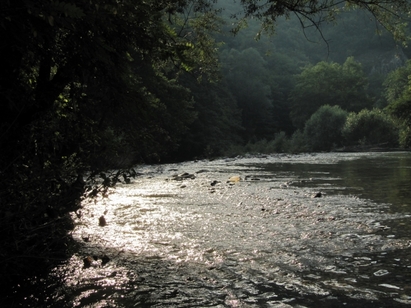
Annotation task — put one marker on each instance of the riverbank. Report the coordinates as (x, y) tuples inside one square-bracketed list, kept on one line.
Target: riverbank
[(370, 148)]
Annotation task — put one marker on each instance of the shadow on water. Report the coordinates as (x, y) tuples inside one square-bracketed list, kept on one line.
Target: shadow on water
[(196, 265)]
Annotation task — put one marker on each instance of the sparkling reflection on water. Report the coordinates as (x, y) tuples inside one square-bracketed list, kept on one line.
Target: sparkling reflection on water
[(268, 240)]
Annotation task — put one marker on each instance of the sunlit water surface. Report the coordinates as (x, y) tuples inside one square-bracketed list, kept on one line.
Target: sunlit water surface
[(267, 240)]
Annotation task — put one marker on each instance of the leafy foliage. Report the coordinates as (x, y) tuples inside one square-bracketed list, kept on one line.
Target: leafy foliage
[(85, 87), (370, 127), (218, 121), (328, 84), (247, 79), (323, 130), (391, 15), (397, 82), (398, 92)]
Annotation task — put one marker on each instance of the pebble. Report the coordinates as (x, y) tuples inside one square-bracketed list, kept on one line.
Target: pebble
[(102, 221), (381, 272), (390, 286)]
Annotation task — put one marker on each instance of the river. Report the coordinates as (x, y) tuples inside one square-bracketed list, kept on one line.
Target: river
[(312, 230)]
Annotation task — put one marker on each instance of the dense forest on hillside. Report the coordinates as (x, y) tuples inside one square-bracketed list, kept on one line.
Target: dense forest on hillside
[(278, 81), (88, 87)]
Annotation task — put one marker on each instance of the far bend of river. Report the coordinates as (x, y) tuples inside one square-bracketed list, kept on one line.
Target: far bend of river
[(320, 230)]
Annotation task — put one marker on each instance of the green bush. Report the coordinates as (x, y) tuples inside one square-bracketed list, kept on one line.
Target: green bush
[(370, 127), (400, 110), (280, 144), (323, 130), (297, 143), (404, 137)]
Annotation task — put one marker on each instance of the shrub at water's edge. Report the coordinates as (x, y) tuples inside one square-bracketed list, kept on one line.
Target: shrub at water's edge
[(331, 128), (370, 127), (323, 130)]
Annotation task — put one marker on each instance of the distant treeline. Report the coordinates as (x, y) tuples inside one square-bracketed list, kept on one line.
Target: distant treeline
[(271, 85)]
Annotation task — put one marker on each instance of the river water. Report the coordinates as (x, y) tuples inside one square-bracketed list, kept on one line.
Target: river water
[(320, 230)]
